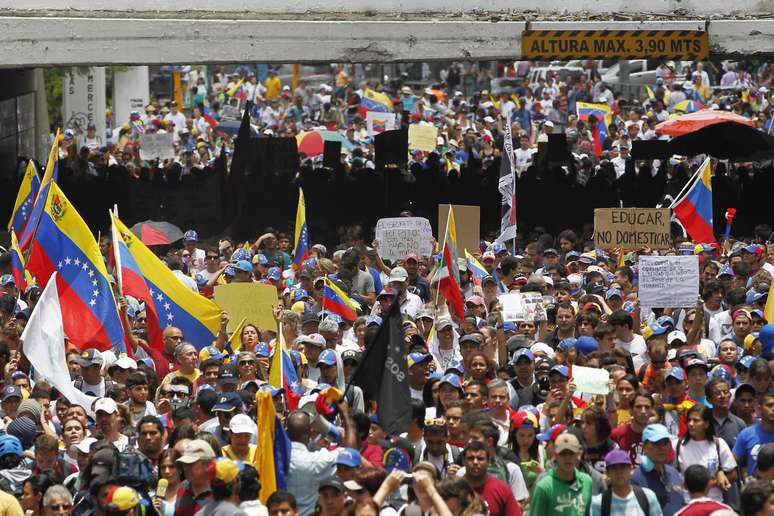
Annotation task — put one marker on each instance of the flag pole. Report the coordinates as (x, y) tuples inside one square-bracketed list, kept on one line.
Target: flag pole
[(116, 254), (445, 233), (690, 183)]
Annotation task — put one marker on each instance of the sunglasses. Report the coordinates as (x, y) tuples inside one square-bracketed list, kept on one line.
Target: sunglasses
[(247, 362), (60, 507)]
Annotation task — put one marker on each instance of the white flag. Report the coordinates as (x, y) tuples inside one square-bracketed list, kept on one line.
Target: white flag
[(43, 344)]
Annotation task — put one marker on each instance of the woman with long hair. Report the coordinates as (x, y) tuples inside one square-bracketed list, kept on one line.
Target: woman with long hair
[(460, 497), (169, 471), (250, 336), (524, 443), (479, 367), (73, 432), (701, 446)]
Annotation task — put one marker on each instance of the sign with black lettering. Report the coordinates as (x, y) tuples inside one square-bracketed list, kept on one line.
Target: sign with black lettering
[(632, 228), (669, 281), (547, 45)]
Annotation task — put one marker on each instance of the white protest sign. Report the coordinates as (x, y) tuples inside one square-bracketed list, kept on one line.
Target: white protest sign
[(590, 380), (157, 145), (533, 306), (83, 99), (512, 307), (377, 122), (401, 236), (669, 281)]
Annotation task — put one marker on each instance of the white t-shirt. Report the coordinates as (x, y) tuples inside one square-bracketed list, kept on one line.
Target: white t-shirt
[(706, 453), (415, 394), (635, 347), (523, 158), (721, 327)]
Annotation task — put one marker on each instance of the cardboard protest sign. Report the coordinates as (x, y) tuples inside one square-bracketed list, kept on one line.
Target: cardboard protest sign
[(157, 145), (467, 221), (253, 301), (632, 228), (590, 380), (377, 122), (422, 137), (669, 281), (401, 236)]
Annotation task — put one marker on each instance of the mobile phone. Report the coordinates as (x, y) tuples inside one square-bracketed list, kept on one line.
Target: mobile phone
[(408, 479)]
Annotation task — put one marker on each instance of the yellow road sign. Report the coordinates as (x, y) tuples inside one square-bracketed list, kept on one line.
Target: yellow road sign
[(546, 45)]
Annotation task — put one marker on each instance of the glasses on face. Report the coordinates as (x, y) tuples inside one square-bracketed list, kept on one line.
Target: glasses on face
[(60, 507), (247, 363)]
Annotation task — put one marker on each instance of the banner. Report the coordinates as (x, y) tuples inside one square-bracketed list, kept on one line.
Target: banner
[(377, 122), (83, 99), (401, 236), (131, 92), (512, 307), (157, 145), (253, 301), (669, 281), (632, 228), (422, 137)]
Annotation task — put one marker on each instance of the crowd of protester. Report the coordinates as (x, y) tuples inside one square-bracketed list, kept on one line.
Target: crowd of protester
[(498, 425)]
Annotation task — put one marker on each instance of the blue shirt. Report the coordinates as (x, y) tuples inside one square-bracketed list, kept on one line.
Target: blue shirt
[(378, 286), (668, 489), (748, 443)]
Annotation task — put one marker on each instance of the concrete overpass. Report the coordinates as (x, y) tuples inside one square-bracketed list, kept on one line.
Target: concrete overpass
[(76, 32)]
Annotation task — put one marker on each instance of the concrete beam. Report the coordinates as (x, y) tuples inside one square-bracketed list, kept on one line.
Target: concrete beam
[(686, 8), (44, 41)]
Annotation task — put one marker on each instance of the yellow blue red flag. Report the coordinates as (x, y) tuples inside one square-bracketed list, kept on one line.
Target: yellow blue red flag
[(63, 243), (301, 252), (196, 316), (28, 191)]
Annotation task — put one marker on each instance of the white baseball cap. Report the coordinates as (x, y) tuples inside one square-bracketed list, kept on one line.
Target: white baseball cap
[(242, 424), (85, 445), (106, 405)]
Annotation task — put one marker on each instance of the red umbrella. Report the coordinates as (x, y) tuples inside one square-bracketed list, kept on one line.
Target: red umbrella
[(151, 232), (310, 143), (698, 120)]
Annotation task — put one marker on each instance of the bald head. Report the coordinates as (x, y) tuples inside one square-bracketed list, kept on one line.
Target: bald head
[(299, 426), (172, 337)]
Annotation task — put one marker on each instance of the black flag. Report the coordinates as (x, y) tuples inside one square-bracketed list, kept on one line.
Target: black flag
[(383, 374)]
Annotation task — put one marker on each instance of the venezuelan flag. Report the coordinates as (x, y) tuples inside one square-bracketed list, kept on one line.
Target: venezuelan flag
[(63, 243), (131, 283), (235, 341), (28, 191), (21, 275), (448, 274), (282, 374), (301, 252), (475, 268), (272, 459), (601, 111), (374, 101), (236, 87), (196, 316), (337, 302), (694, 209), (26, 236)]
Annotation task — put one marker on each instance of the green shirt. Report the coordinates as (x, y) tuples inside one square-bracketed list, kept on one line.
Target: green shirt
[(553, 495)]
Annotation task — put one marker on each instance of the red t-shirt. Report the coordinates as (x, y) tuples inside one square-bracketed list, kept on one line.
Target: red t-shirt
[(499, 497), (373, 453), (702, 507), (631, 441), (628, 440)]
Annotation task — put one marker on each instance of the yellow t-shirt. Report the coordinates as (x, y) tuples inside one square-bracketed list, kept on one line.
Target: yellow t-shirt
[(9, 506), (273, 87), (229, 453)]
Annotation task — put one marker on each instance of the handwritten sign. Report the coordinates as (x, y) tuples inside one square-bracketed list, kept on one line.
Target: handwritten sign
[(377, 122), (590, 380), (422, 137), (157, 146), (533, 306), (632, 228), (669, 281), (401, 236), (253, 301)]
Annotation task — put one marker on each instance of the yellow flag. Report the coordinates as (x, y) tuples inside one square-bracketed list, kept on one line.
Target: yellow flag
[(769, 310), (264, 456), (235, 341)]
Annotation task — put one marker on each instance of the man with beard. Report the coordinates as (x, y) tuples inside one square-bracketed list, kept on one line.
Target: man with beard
[(151, 436), (108, 422)]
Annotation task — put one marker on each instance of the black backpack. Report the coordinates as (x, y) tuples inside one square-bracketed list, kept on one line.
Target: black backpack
[(639, 494)]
